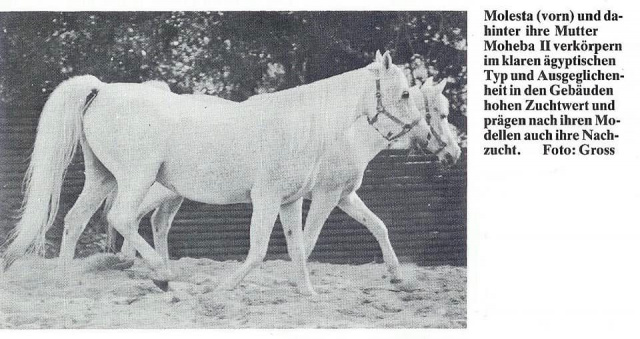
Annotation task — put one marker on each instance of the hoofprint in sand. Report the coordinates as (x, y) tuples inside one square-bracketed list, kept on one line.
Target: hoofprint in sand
[(38, 293)]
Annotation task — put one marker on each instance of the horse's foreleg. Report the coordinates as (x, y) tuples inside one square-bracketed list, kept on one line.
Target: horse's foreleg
[(354, 207), (161, 223), (98, 184), (156, 197), (265, 211), (123, 217), (322, 204), (291, 218)]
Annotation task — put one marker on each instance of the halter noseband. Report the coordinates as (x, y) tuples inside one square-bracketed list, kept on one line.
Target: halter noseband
[(380, 109), (442, 143)]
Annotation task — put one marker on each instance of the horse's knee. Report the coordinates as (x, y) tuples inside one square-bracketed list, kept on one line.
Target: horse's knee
[(380, 232), (159, 225), (162, 234)]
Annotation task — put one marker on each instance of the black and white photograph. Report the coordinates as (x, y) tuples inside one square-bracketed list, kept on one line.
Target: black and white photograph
[(233, 169)]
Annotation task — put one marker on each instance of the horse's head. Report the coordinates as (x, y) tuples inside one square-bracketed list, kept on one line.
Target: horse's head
[(436, 137), (391, 112)]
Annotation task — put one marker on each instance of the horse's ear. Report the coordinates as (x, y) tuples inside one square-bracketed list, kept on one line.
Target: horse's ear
[(386, 60), (428, 81), (440, 87), (378, 56)]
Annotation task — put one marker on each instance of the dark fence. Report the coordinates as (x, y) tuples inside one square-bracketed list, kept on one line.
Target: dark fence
[(423, 207)]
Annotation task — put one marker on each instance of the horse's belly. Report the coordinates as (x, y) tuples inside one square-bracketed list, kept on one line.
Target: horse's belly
[(209, 162), (220, 183)]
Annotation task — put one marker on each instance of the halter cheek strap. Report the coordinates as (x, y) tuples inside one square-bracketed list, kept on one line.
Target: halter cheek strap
[(380, 109), (442, 143)]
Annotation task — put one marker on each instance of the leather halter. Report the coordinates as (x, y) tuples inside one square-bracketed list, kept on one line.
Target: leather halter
[(442, 143), (380, 109)]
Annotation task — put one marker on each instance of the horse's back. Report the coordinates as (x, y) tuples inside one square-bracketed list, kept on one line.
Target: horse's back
[(210, 99)]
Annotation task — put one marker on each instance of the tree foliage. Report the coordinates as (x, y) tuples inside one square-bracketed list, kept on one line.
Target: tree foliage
[(230, 54)]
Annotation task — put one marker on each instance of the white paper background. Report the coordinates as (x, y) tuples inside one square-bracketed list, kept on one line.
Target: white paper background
[(553, 241)]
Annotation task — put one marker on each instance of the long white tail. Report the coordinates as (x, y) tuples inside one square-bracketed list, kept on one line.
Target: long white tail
[(59, 130)]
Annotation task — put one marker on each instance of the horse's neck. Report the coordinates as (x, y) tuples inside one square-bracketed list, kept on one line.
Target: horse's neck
[(320, 111), (345, 101), (365, 142), (332, 106)]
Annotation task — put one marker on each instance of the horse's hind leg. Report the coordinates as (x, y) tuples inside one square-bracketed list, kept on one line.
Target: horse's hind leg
[(98, 183), (291, 218), (354, 207), (263, 217), (157, 196), (161, 221), (123, 217)]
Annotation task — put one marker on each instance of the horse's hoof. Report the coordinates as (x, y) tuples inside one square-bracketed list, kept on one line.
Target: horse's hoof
[(315, 297), (395, 280), (124, 264), (162, 284), (224, 288), (309, 293)]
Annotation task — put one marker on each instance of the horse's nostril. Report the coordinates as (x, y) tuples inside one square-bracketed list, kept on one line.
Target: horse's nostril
[(448, 158)]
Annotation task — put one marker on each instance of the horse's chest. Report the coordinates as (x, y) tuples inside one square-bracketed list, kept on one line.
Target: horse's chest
[(339, 175)]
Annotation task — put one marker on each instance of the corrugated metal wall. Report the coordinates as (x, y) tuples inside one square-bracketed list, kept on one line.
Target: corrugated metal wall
[(424, 209)]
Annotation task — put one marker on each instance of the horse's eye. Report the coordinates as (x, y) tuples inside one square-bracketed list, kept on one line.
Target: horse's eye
[(405, 95), (444, 116), (428, 116)]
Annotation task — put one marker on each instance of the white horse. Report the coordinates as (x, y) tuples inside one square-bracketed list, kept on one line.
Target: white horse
[(341, 172), (265, 151)]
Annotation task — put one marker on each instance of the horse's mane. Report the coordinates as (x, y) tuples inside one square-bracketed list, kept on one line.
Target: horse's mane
[(337, 95), (316, 113), (418, 98), (433, 96)]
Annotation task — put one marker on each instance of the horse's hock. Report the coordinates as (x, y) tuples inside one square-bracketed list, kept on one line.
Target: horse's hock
[(424, 209)]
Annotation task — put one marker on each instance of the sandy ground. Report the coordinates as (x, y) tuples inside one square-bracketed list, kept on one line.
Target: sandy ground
[(38, 293)]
